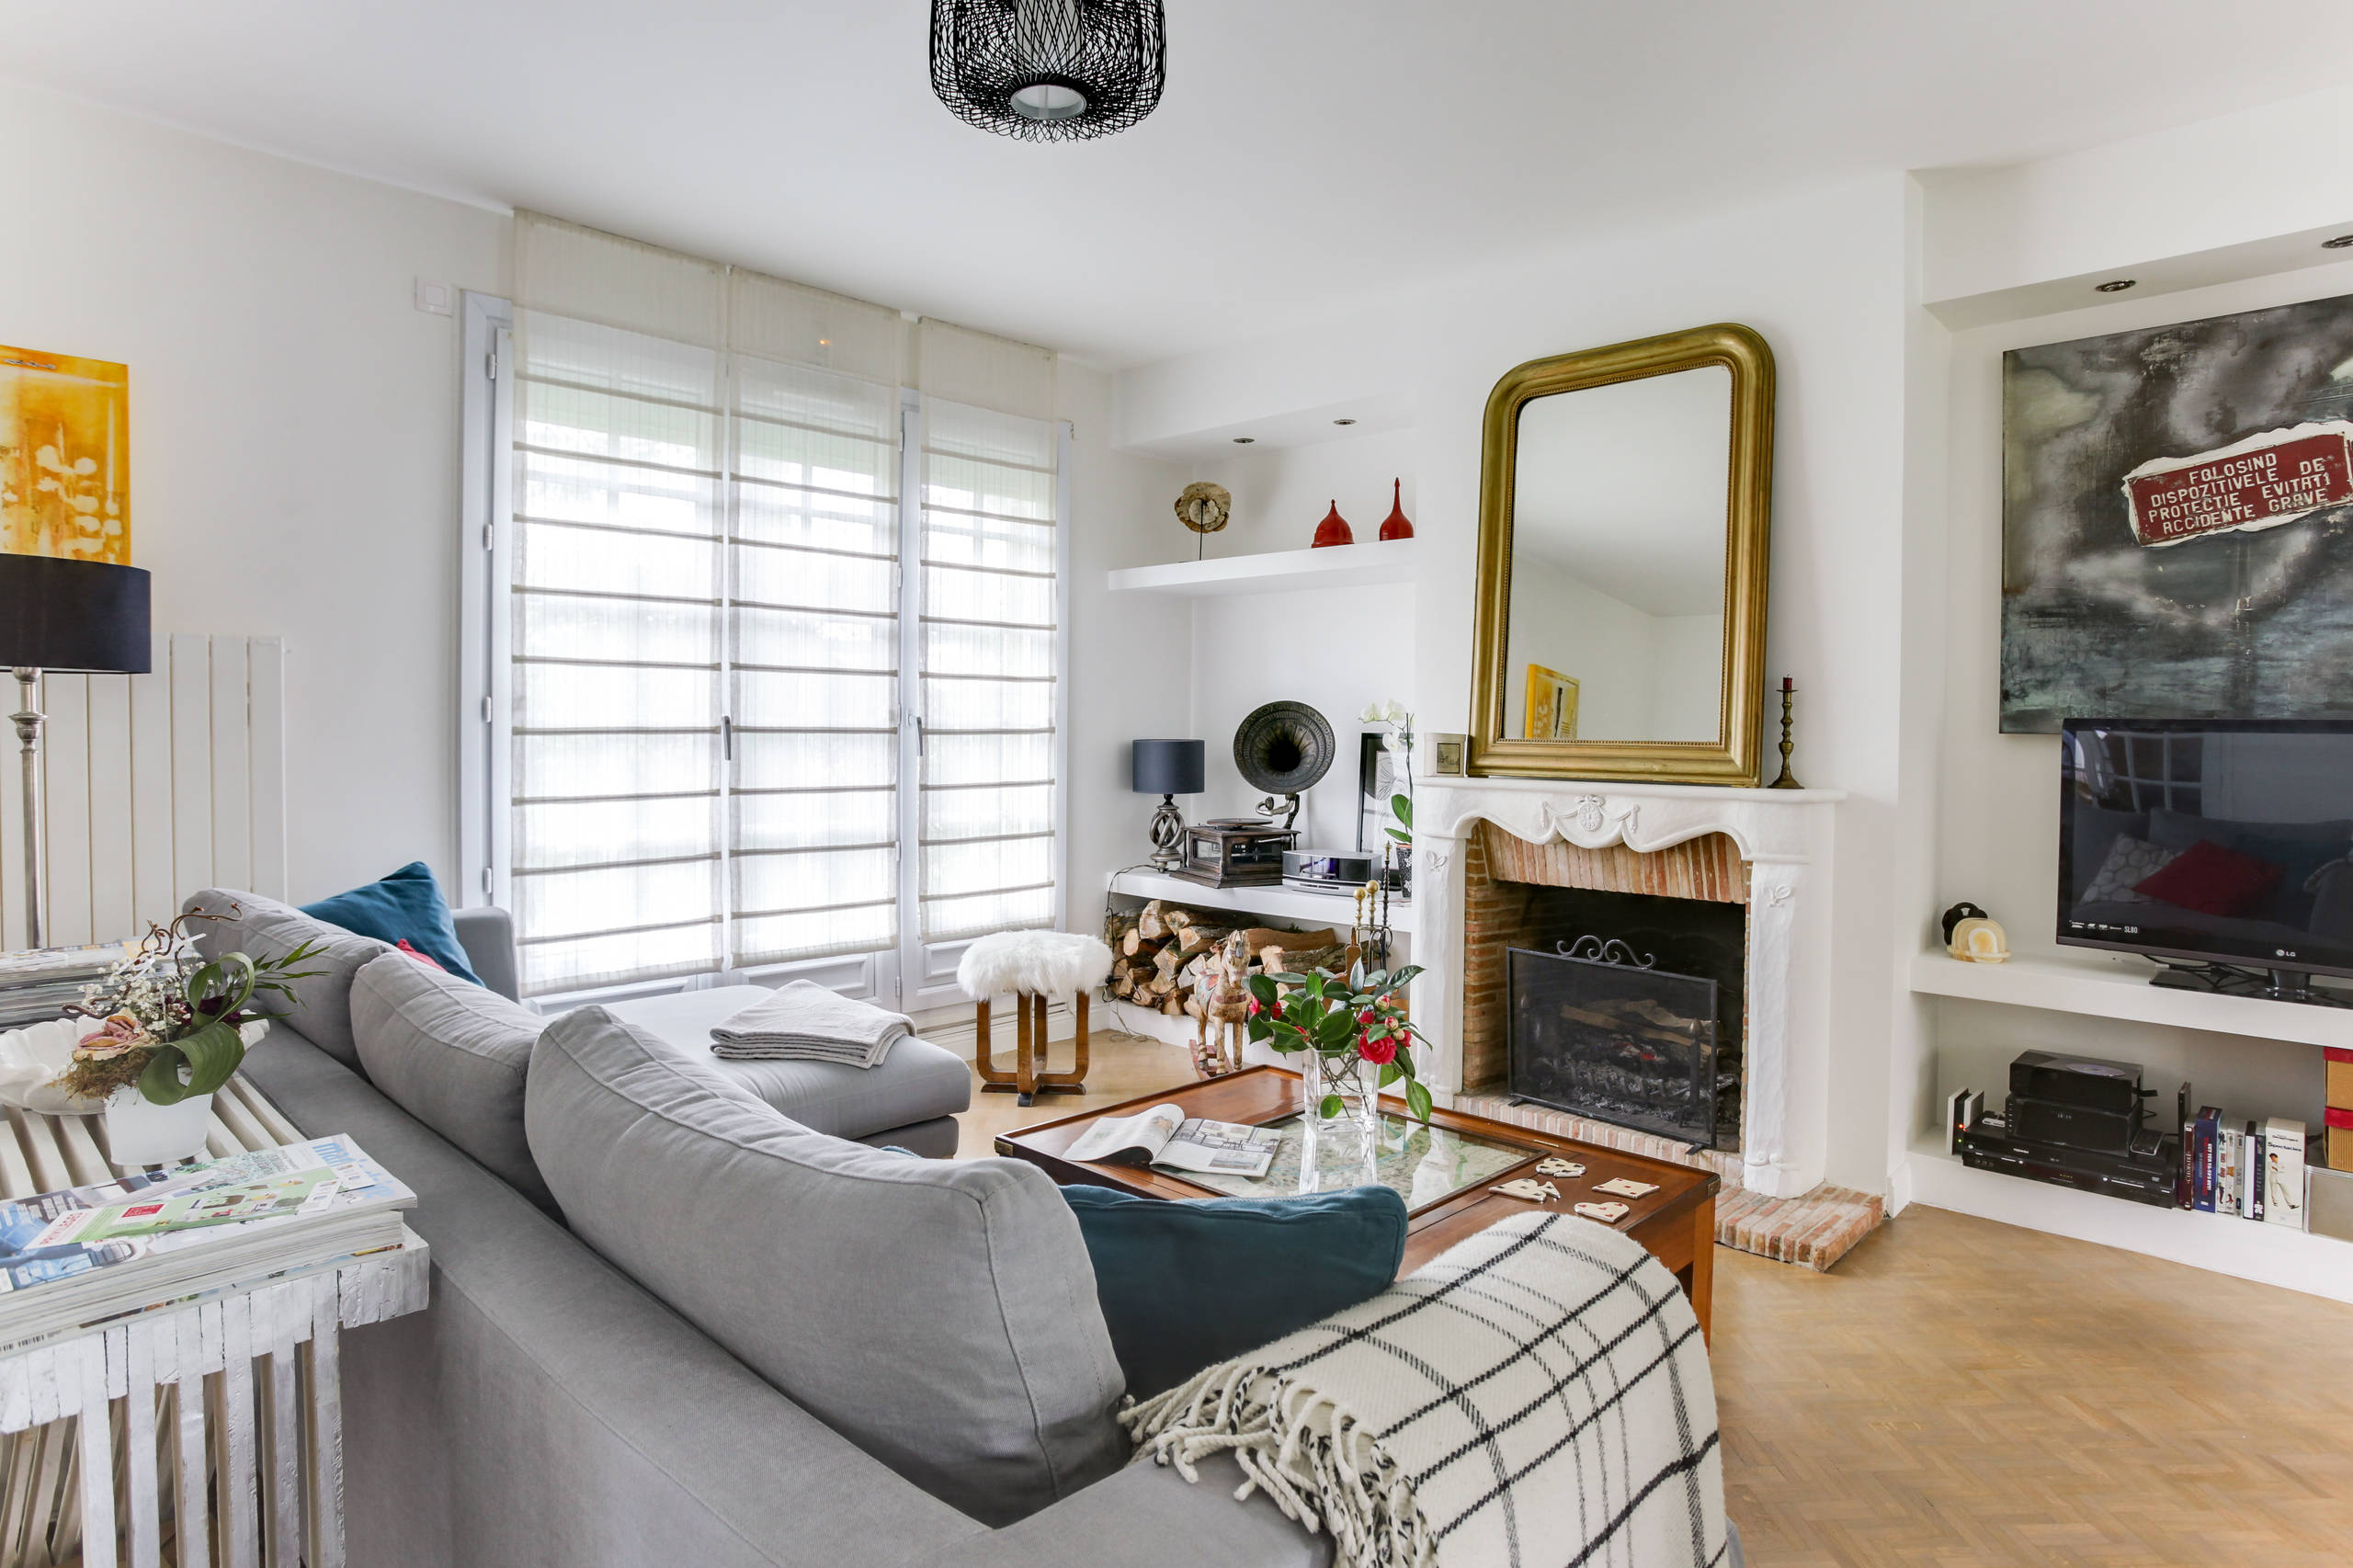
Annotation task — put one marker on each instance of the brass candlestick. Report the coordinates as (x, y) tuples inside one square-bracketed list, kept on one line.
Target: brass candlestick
[(1788, 780)]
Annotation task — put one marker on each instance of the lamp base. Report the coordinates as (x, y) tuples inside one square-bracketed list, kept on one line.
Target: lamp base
[(1167, 835), (28, 719)]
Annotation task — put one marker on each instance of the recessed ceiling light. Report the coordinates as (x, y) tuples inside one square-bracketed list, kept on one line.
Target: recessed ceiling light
[(1343, 422), (1243, 440), (2116, 285), (2337, 244)]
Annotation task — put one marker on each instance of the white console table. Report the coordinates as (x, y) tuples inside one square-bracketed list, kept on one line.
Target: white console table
[(216, 1427)]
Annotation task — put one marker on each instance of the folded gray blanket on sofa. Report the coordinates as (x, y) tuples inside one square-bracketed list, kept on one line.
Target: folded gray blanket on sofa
[(1538, 1396), (804, 1021)]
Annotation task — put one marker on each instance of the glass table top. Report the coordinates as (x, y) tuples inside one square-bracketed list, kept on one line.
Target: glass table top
[(1425, 1164)]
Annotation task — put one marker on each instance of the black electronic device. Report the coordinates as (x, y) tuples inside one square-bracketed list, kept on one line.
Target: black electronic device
[(1345, 871), (2091, 1082), (2143, 1178), (2070, 1126), (2217, 846)]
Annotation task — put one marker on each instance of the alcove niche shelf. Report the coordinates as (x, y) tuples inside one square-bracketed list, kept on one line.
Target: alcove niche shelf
[(2096, 984), (1337, 566)]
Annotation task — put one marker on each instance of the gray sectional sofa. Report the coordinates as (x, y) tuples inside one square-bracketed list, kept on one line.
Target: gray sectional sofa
[(754, 1343)]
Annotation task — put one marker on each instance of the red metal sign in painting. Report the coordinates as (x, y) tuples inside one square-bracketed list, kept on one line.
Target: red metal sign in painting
[(2258, 483)]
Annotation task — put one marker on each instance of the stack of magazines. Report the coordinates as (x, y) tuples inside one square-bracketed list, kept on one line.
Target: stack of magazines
[(88, 1255), (39, 984)]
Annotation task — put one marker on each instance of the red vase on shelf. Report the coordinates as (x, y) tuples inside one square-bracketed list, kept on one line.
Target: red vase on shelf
[(1396, 524), (1333, 529)]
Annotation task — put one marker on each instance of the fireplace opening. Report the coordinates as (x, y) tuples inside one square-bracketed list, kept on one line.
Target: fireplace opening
[(1647, 1037)]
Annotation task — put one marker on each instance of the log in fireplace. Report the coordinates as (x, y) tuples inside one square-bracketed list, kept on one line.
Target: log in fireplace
[(1635, 1020)]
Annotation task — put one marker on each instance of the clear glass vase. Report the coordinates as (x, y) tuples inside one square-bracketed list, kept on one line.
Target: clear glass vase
[(1339, 1150)]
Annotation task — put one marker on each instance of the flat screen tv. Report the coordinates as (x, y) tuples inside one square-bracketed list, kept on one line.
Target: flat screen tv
[(2210, 843)]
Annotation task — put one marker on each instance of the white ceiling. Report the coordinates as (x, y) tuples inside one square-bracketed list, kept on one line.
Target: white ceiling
[(1622, 487), (1309, 155)]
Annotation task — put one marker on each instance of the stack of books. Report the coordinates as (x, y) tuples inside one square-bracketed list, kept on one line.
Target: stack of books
[(39, 984), (86, 1256), (2252, 1169)]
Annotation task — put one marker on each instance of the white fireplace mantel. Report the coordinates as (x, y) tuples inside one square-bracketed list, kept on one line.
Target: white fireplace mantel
[(1787, 837)]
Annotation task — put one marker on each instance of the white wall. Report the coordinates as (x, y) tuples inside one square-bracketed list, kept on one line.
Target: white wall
[(294, 435), (1822, 276), (1126, 654)]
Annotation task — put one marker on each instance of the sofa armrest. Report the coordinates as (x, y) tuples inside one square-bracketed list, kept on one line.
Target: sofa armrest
[(487, 933), (1147, 1516)]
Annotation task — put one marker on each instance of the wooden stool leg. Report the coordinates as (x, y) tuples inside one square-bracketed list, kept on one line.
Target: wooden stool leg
[(985, 1065), (1076, 1078), (1026, 1062)]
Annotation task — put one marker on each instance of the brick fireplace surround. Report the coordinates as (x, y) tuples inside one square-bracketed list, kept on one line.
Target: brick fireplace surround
[(1479, 843)]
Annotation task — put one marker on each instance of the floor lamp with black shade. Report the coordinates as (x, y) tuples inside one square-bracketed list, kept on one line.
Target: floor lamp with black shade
[(68, 616)]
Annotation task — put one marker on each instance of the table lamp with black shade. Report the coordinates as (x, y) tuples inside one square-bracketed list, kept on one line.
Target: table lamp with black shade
[(69, 616), (1168, 768)]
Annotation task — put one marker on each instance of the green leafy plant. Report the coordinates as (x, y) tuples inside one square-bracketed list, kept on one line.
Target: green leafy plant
[(172, 1024), (1360, 1015), (1402, 807)]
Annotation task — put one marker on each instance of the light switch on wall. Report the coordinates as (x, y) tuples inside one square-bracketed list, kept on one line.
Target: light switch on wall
[(434, 297)]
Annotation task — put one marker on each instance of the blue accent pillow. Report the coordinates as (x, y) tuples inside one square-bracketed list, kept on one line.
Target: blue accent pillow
[(1189, 1283), (406, 906)]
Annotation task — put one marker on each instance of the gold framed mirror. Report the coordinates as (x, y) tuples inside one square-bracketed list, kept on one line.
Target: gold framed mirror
[(1625, 499)]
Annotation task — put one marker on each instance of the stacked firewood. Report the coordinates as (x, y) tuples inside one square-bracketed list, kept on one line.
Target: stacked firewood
[(1159, 952)]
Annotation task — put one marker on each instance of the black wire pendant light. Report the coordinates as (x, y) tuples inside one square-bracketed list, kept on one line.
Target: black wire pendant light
[(1049, 70)]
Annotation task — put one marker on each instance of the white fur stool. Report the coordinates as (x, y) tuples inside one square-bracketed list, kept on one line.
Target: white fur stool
[(1034, 966)]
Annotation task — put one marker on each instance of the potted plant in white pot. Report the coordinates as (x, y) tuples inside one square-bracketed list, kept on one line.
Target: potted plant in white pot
[(171, 1028)]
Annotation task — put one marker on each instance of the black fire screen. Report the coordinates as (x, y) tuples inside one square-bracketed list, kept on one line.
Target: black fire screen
[(1607, 1038)]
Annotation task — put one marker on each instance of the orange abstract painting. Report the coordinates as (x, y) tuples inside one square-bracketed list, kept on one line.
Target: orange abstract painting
[(64, 456)]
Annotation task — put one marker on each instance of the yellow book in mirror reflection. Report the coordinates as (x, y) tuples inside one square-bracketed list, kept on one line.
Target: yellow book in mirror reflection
[(1551, 712)]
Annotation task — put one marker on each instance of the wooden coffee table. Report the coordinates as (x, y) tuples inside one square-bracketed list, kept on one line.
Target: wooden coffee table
[(1678, 1223)]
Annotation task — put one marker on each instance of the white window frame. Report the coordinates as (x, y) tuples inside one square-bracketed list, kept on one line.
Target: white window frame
[(914, 977)]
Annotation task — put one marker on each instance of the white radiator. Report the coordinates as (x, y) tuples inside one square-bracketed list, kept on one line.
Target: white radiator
[(156, 785)]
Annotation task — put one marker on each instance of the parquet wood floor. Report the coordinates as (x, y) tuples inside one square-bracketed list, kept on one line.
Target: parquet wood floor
[(1958, 1393)]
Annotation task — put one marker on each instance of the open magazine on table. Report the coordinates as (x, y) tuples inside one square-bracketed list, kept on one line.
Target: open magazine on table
[(1164, 1135)]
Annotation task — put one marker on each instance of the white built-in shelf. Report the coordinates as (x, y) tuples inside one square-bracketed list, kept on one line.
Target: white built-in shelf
[(1274, 901), (1339, 566), (2120, 988), (2251, 1249)]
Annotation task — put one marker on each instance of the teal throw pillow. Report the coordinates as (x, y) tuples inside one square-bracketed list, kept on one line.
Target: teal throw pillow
[(407, 906), (1187, 1284)]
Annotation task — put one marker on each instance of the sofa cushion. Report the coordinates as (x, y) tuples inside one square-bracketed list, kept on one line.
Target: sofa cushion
[(452, 1055), (257, 926), (940, 1315), (916, 1082), (406, 906), (1187, 1284)]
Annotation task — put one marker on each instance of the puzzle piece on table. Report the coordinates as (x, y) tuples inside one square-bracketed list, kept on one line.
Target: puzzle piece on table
[(1626, 1188), (1608, 1214), (1559, 1167), (1533, 1191)]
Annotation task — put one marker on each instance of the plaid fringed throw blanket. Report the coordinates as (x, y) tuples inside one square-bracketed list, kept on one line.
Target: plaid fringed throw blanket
[(1537, 1397)]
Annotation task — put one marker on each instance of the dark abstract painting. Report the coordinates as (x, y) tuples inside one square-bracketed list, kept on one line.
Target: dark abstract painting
[(2177, 522)]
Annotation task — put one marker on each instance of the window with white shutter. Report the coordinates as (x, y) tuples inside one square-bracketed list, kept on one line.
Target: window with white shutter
[(743, 710)]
